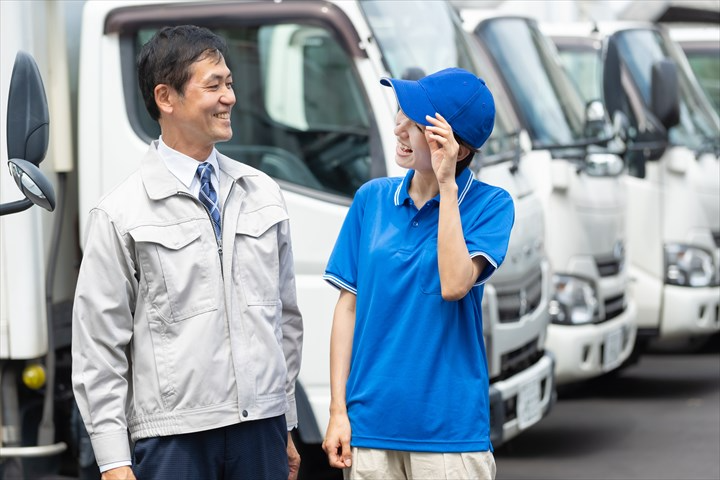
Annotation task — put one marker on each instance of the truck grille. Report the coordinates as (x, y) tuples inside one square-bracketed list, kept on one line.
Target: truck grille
[(519, 359), (520, 298), (614, 306)]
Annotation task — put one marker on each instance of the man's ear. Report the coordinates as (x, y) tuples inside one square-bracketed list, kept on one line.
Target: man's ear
[(164, 98)]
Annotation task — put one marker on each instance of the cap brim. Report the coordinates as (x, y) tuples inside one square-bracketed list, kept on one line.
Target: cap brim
[(412, 99)]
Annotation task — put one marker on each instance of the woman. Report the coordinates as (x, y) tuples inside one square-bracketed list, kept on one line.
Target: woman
[(408, 368)]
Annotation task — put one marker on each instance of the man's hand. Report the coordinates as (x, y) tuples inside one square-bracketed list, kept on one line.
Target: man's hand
[(337, 441), (119, 473), (293, 458)]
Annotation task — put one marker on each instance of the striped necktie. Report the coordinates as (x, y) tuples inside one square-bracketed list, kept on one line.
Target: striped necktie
[(208, 196)]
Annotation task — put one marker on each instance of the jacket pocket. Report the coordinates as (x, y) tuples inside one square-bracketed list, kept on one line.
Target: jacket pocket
[(256, 263), (176, 269)]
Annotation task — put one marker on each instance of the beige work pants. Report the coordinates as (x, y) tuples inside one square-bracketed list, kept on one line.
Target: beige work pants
[(371, 464)]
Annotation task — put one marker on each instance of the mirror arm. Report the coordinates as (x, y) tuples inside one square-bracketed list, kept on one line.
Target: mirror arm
[(15, 207)]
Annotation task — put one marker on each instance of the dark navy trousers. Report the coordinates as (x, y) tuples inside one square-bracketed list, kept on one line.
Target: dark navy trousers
[(255, 450)]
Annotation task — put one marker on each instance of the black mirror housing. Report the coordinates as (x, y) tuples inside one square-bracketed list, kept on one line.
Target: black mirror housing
[(664, 93), (28, 131), (613, 92), (28, 126)]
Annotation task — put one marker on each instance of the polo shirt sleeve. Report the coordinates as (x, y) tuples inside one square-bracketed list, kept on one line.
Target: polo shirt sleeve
[(342, 268), (489, 234)]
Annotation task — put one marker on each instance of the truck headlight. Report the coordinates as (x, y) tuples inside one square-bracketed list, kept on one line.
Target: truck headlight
[(575, 301), (688, 266)]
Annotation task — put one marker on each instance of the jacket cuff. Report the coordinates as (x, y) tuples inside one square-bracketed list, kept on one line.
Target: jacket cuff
[(111, 447), (291, 417)]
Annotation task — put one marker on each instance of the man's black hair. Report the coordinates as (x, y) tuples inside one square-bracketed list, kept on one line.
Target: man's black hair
[(167, 57)]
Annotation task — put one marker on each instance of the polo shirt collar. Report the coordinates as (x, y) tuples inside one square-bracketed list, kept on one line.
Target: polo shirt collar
[(464, 181), (401, 194)]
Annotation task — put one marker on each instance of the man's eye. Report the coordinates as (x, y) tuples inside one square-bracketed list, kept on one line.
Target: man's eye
[(213, 87), (229, 85)]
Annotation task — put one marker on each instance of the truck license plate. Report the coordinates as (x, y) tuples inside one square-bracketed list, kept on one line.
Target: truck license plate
[(613, 347), (528, 404)]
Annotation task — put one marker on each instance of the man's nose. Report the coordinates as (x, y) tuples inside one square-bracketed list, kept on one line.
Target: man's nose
[(228, 97)]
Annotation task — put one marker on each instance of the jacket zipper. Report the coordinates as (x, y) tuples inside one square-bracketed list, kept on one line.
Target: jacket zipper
[(218, 241), (222, 222)]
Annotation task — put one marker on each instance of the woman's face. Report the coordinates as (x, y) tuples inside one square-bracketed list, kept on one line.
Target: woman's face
[(412, 150)]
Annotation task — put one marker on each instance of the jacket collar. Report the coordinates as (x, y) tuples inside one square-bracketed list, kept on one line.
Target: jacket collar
[(160, 183)]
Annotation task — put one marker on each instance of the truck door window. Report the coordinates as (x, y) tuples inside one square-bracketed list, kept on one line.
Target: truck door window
[(640, 49), (552, 109), (301, 115)]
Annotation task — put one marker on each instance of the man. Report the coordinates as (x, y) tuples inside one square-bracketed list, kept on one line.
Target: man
[(186, 331), (408, 370)]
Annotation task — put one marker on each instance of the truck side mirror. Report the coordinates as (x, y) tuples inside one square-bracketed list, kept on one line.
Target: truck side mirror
[(27, 136), (596, 125), (413, 73), (664, 93), (525, 142), (28, 121), (620, 125), (32, 183), (612, 84)]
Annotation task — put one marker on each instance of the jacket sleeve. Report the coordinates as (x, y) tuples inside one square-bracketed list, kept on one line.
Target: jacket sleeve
[(292, 323), (101, 332)]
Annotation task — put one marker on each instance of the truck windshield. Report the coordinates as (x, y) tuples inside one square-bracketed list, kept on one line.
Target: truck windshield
[(583, 64), (641, 48), (545, 97), (415, 53)]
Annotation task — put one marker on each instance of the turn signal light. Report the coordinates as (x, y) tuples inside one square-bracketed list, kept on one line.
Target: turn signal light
[(34, 376)]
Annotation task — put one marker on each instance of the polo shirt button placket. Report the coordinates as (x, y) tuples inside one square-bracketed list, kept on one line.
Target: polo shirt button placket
[(415, 223)]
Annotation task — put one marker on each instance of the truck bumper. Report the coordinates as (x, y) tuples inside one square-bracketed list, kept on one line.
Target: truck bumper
[(522, 400), (586, 351), (689, 311)]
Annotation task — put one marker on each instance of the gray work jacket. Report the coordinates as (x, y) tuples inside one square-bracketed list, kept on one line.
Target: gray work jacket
[(173, 331)]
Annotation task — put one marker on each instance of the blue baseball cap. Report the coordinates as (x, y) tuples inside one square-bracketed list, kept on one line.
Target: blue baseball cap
[(456, 94)]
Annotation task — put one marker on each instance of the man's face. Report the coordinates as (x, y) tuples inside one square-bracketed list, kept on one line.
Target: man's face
[(201, 115)]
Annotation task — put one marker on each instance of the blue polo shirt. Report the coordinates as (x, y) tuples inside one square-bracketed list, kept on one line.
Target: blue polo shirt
[(418, 377)]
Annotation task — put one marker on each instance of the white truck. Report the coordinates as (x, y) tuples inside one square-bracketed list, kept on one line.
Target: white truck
[(311, 113), (581, 183), (673, 143)]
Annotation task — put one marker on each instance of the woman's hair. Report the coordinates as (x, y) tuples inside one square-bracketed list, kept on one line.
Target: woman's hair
[(465, 162)]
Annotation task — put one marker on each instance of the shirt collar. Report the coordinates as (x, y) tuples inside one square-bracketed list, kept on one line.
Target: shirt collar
[(464, 181), (401, 194), (182, 166)]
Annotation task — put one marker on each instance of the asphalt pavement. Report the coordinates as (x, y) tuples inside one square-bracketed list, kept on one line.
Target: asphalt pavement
[(656, 420)]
